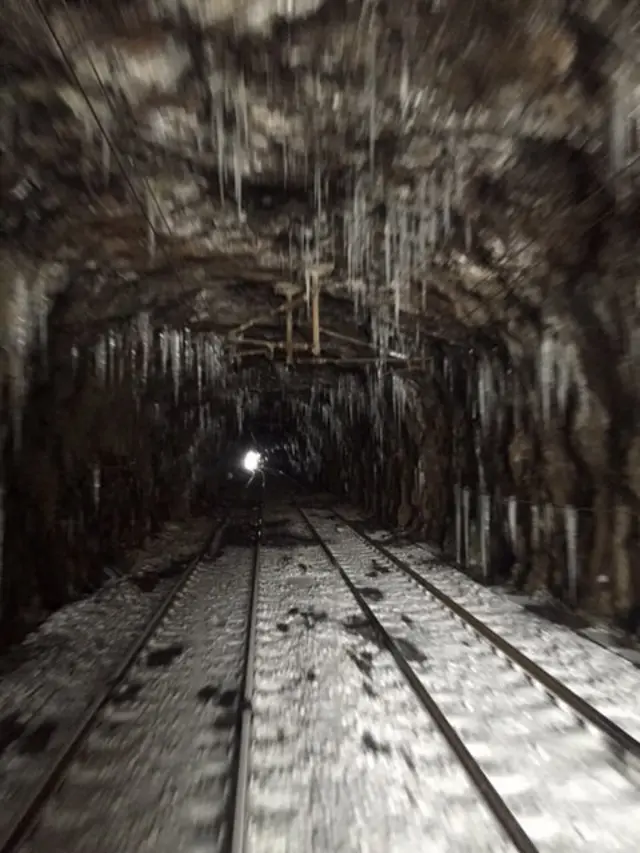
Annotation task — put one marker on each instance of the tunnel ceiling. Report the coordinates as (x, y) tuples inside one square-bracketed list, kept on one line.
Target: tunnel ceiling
[(445, 188), (443, 166)]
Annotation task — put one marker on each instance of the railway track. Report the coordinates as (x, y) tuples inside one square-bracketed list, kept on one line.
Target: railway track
[(238, 725), (544, 760), (624, 746), (90, 798), (342, 755)]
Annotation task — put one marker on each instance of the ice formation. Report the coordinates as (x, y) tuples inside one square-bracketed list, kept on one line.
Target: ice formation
[(24, 330)]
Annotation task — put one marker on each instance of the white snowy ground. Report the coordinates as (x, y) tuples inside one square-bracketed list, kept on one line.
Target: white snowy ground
[(153, 776), (343, 756), (600, 675), (344, 759), (600, 633), (559, 780), (47, 681)]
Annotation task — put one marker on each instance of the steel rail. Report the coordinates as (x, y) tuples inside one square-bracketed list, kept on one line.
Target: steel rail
[(483, 785), (28, 811), (242, 765), (624, 747)]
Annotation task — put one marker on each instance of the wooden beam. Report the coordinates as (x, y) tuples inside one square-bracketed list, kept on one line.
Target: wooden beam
[(354, 362), (347, 339), (238, 356), (264, 318), (272, 345)]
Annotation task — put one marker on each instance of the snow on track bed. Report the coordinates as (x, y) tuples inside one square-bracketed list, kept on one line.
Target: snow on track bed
[(555, 776), (343, 756), (47, 682), (599, 676), (154, 773)]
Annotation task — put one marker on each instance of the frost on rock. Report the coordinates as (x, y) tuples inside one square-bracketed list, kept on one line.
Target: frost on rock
[(559, 372), (25, 290)]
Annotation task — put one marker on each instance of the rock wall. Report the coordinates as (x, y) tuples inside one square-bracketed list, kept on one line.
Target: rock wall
[(523, 469), (102, 444), (98, 471)]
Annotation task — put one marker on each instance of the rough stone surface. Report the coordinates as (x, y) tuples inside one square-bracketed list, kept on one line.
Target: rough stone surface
[(463, 181)]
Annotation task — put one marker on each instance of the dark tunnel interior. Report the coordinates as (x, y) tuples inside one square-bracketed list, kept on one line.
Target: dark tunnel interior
[(319, 426), (406, 270)]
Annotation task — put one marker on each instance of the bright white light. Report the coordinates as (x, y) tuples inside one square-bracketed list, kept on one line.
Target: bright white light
[(251, 461)]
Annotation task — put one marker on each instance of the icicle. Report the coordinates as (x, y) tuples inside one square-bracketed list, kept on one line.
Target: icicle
[(19, 333), (187, 347), (199, 368), (106, 160), (547, 361), (433, 205), (100, 360), (458, 192), (485, 532), (372, 104), (40, 309), (396, 302), (536, 517), (96, 485), (145, 336), (565, 374), (466, 521), (175, 348), (458, 506), (164, 350), (423, 222), (239, 414), (571, 534), (482, 402), (404, 84), (549, 519), (151, 228), (387, 254), (111, 355), (75, 355), (512, 513), (120, 355), (219, 122), (237, 176)]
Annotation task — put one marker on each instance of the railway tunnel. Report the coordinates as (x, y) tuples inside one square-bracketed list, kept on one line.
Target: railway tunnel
[(392, 250)]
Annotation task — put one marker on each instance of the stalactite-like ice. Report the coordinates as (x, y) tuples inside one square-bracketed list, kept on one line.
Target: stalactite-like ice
[(559, 372), (512, 513), (39, 307), (75, 355), (164, 350), (175, 347), (97, 480), (145, 334), (100, 359), (18, 334), (150, 206), (547, 364), (536, 521), (571, 536), (484, 523)]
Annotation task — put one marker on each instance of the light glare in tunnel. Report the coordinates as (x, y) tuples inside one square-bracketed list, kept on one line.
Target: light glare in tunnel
[(251, 461)]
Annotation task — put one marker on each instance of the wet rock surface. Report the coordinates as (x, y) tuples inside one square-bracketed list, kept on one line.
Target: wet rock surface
[(458, 189)]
